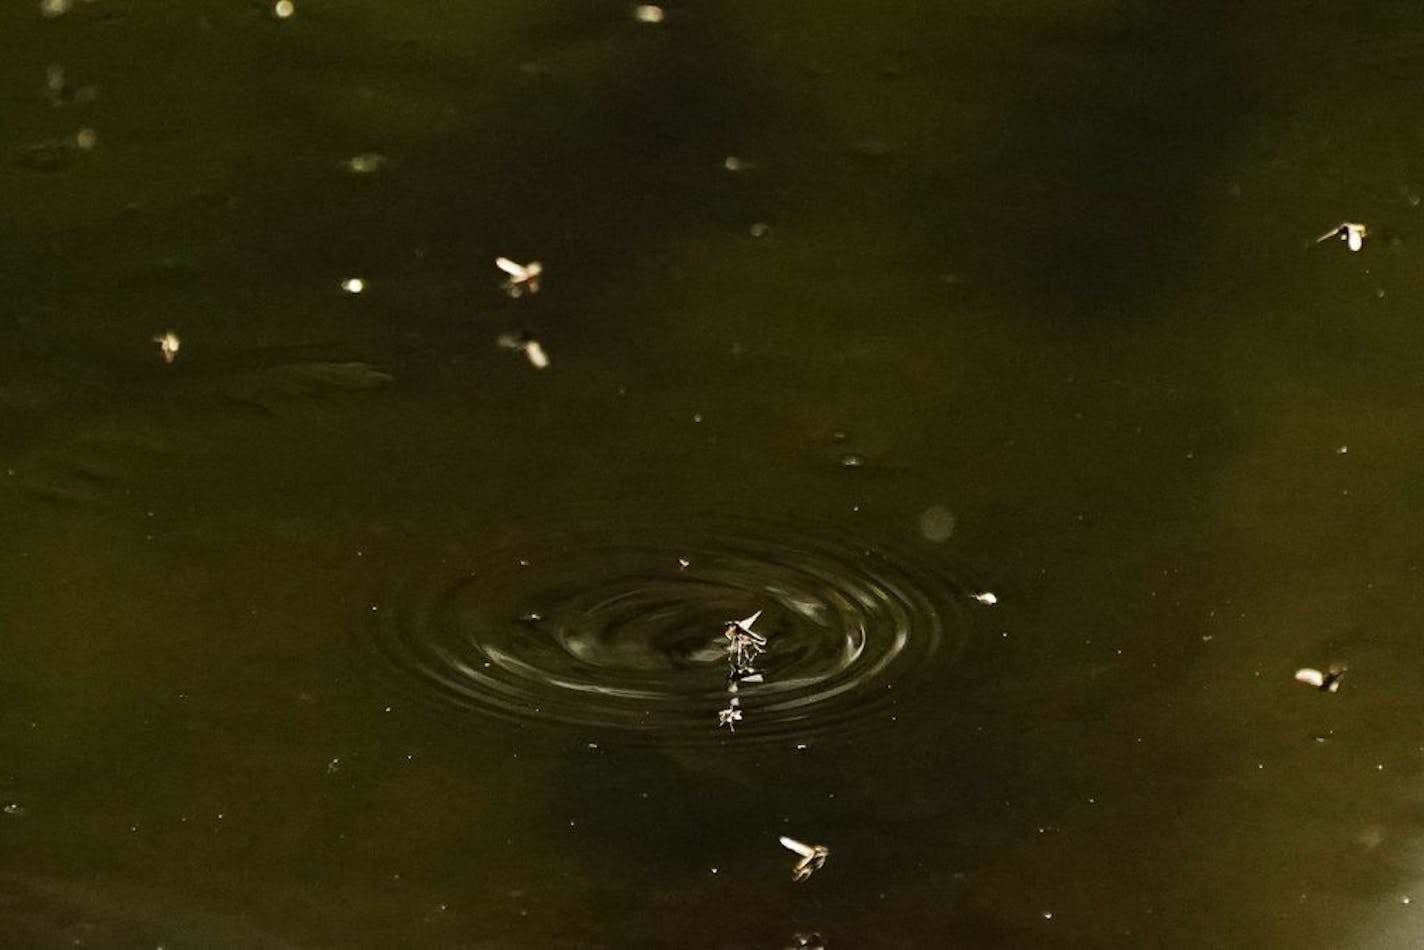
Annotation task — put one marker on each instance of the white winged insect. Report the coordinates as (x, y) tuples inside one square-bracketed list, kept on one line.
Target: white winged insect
[(1351, 233), (524, 343), (813, 856), (1327, 681), (168, 345), (521, 277)]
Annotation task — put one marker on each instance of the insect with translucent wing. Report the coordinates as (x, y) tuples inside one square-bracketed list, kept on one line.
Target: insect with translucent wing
[(1351, 233), (744, 644), (525, 343), (168, 345), (521, 277), (1327, 681), (813, 856)]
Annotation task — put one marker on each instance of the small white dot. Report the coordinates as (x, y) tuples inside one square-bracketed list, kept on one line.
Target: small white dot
[(353, 285), (284, 9)]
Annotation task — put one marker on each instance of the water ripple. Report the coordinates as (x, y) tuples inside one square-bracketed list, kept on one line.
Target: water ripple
[(620, 630)]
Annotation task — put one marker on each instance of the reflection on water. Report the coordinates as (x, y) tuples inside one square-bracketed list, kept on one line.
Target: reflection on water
[(832, 303)]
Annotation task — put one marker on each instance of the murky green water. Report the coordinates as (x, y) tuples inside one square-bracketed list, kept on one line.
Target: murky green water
[(351, 627)]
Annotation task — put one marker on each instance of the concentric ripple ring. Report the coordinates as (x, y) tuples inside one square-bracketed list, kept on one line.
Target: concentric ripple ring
[(620, 631)]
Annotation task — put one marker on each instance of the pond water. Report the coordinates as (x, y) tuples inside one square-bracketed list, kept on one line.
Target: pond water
[(350, 624)]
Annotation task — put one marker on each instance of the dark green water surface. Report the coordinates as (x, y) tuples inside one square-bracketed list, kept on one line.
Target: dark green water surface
[(352, 628)]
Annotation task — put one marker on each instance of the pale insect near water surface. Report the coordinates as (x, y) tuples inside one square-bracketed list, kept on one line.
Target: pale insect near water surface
[(1352, 233), (168, 345), (522, 277), (813, 857), (526, 344)]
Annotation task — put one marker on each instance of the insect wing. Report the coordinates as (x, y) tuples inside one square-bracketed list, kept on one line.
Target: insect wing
[(791, 844), (512, 269)]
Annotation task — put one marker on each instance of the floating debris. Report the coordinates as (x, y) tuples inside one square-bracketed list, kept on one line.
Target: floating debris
[(366, 163), (50, 9), (734, 164), (648, 13), (168, 344), (744, 645), (283, 9), (13, 809), (1351, 233), (813, 857), (760, 230), (353, 285), (1326, 682), (525, 343), (729, 717), (987, 598), (810, 941), (86, 139), (522, 277)]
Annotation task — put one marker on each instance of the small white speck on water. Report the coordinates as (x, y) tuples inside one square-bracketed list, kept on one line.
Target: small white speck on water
[(1404, 899), (13, 809), (284, 9), (1342, 450), (760, 230), (851, 460), (1048, 915), (365, 164), (353, 285), (649, 13)]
